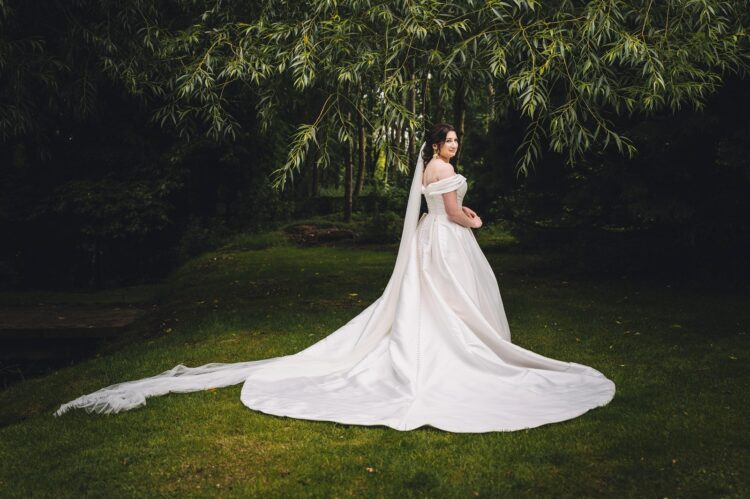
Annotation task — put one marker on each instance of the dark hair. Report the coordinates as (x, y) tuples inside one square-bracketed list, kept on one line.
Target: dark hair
[(435, 136)]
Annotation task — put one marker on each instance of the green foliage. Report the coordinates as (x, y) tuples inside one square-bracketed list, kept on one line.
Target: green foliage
[(288, 83), (201, 235), (569, 68), (383, 227), (684, 195), (113, 208)]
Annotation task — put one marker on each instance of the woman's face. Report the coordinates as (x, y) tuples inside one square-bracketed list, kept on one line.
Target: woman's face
[(449, 148)]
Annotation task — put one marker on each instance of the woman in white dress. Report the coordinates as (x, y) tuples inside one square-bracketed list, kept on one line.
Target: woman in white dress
[(434, 349)]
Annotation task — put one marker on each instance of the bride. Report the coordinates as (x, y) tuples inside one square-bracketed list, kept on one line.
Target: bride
[(434, 349)]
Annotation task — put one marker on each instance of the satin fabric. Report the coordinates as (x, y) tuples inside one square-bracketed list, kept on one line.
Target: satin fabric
[(447, 361), (435, 349)]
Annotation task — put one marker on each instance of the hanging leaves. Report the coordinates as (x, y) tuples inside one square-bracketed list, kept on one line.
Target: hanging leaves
[(568, 68)]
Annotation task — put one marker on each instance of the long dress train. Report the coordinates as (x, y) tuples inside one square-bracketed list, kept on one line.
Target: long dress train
[(434, 349)]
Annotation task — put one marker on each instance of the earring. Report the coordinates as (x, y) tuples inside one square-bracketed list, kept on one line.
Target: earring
[(435, 155)]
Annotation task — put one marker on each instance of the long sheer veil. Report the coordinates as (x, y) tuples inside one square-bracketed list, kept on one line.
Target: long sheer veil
[(411, 218), (339, 351)]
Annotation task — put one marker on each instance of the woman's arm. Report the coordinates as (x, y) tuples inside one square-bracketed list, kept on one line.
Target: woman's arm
[(457, 214)]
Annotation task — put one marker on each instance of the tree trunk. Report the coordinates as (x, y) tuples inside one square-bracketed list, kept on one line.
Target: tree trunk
[(372, 149), (348, 183), (315, 179), (490, 107), (362, 156), (426, 102), (439, 111), (390, 163), (413, 109), (459, 114)]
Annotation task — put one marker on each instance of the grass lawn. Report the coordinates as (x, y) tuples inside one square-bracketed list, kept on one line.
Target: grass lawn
[(676, 427)]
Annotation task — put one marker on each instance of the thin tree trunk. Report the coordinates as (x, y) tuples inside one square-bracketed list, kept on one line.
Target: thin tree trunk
[(400, 129), (390, 163), (348, 183), (315, 183), (439, 109), (372, 154), (362, 156), (95, 280), (459, 114), (306, 173), (413, 109), (426, 102), (370, 144), (490, 106)]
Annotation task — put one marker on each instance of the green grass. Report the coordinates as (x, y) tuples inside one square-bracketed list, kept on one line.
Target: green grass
[(118, 296), (676, 427)]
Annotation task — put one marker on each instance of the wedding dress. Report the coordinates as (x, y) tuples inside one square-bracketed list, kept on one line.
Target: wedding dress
[(434, 349)]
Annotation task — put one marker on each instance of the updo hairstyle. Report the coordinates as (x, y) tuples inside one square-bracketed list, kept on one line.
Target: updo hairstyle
[(437, 136)]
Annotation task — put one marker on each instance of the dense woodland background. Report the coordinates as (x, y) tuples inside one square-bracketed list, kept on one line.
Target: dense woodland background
[(135, 137)]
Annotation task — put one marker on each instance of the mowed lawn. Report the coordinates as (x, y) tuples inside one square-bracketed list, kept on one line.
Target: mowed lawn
[(676, 427)]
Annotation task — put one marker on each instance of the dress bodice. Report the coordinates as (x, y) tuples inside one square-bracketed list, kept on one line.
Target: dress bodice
[(434, 190)]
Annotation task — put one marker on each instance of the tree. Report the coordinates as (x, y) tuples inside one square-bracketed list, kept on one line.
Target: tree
[(569, 67)]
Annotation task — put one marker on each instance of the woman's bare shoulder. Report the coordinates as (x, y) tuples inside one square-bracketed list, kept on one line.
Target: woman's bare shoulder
[(437, 169), (439, 163)]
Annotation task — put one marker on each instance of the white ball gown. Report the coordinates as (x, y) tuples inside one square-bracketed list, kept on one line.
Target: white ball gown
[(434, 349)]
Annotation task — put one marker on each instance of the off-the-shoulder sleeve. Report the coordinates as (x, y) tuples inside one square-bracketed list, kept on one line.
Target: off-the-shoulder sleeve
[(445, 185)]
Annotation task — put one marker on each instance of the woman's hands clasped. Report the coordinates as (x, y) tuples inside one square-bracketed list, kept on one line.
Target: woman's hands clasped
[(476, 222)]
